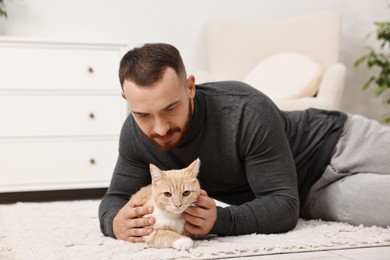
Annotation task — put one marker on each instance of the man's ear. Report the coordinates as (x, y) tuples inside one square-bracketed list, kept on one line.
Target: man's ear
[(191, 86), (123, 94)]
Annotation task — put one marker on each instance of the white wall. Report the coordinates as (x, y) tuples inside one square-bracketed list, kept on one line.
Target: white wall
[(182, 23)]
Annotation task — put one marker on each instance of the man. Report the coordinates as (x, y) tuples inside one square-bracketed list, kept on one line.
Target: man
[(271, 166)]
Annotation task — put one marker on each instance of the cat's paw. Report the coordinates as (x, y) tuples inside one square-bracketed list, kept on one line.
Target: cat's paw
[(183, 243)]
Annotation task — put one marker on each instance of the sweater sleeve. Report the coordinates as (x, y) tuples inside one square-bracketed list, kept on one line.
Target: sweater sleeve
[(271, 174)]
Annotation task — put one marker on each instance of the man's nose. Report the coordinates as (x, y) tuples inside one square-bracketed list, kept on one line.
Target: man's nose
[(161, 127)]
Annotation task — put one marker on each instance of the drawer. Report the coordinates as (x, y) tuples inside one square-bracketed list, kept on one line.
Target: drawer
[(54, 67), (46, 164), (66, 115)]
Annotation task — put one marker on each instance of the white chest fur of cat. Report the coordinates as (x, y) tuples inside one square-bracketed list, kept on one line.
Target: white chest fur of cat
[(170, 193)]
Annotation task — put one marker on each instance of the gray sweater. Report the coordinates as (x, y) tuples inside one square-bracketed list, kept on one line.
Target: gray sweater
[(253, 156)]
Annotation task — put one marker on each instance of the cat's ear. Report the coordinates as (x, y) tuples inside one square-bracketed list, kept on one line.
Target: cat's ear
[(155, 173), (193, 169)]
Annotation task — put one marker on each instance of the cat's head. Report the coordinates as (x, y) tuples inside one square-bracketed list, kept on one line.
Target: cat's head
[(175, 190)]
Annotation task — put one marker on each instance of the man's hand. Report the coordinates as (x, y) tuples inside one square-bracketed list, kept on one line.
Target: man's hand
[(129, 225), (200, 218)]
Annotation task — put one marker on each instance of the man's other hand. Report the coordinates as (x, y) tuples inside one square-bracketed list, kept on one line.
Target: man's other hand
[(200, 218)]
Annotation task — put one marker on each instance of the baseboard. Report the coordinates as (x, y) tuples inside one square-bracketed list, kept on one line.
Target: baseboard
[(52, 195)]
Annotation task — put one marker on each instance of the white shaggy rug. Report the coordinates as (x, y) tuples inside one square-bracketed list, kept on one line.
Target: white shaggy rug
[(70, 230)]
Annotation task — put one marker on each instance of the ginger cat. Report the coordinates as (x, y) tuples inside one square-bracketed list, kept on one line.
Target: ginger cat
[(170, 193)]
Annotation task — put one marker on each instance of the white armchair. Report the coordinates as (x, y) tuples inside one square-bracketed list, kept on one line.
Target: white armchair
[(236, 47)]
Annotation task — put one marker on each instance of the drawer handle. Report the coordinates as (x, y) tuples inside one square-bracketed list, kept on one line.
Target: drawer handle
[(91, 115), (90, 70), (92, 161)]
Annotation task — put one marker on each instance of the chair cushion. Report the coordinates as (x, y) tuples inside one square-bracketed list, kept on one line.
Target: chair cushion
[(286, 75)]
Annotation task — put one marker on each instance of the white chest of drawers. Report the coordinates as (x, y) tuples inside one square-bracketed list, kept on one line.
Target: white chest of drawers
[(60, 114)]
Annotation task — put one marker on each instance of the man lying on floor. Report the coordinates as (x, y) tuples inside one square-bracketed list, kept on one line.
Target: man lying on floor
[(272, 166)]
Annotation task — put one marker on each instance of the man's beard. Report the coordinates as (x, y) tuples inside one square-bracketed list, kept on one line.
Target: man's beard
[(169, 146)]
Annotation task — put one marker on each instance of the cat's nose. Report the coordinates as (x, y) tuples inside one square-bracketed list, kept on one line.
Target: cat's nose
[(178, 205)]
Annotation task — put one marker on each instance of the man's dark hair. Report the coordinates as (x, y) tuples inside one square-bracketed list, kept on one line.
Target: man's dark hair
[(146, 65)]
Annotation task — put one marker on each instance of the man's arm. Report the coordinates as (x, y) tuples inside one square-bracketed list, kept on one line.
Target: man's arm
[(118, 216), (239, 220), (275, 210)]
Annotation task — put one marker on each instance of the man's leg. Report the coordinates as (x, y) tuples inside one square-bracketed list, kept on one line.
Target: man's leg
[(355, 187), (362, 198)]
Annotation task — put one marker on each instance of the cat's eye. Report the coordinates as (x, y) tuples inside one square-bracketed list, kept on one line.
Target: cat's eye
[(167, 194), (186, 193)]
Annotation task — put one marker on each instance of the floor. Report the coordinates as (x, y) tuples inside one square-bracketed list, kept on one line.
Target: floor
[(373, 253)]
